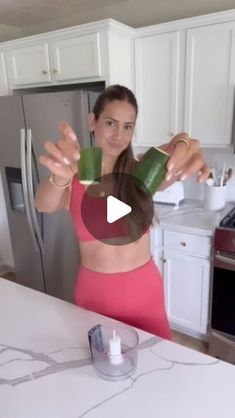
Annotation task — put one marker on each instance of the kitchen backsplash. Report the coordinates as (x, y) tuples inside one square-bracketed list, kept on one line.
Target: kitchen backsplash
[(195, 190)]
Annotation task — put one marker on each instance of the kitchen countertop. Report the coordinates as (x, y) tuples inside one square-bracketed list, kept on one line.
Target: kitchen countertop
[(46, 369), (190, 216)]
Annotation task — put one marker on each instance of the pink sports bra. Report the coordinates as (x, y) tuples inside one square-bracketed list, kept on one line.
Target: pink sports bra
[(94, 211)]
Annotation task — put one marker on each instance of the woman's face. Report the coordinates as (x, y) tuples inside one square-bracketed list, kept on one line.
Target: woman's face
[(114, 128)]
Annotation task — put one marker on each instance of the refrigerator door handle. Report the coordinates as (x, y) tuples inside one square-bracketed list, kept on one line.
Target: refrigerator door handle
[(30, 188), (24, 186)]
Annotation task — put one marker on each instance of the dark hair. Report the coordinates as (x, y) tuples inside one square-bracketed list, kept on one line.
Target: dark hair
[(111, 93), (127, 191)]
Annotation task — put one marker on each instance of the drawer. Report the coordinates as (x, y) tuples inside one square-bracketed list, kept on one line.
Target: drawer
[(187, 243)]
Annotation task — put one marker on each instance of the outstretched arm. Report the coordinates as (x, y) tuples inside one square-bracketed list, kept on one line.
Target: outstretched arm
[(54, 191)]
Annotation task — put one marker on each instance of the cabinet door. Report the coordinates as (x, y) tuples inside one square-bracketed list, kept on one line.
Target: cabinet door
[(210, 77), (186, 285), (29, 65), (158, 78), (77, 58), (3, 76)]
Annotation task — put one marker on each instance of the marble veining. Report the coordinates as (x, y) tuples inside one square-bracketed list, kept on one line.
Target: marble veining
[(130, 387), (52, 366), (168, 367), (46, 369), (185, 363)]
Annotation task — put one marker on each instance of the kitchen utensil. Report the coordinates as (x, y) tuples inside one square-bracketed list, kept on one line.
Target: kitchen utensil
[(221, 180), (227, 176), (225, 179), (210, 181), (230, 173)]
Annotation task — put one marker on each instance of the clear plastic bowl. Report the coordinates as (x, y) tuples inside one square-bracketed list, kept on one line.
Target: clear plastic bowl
[(109, 367)]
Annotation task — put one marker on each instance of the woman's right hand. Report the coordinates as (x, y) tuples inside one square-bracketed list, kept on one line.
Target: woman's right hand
[(62, 155)]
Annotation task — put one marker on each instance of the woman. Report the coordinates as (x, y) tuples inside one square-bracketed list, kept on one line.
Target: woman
[(120, 281)]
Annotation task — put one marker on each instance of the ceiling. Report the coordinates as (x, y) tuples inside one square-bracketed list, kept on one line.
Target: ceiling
[(27, 17)]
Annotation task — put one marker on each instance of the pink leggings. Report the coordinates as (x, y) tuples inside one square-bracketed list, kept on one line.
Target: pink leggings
[(134, 297)]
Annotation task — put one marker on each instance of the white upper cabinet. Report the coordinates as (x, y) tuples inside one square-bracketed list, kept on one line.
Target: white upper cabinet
[(3, 76), (77, 58), (62, 60), (158, 85), (209, 83), (183, 72), (184, 79), (99, 51), (29, 65)]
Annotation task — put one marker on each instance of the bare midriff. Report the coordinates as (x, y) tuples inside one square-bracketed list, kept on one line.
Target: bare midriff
[(106, 258)]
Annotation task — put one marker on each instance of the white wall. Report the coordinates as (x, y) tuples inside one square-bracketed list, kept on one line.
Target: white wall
[(6, 257)]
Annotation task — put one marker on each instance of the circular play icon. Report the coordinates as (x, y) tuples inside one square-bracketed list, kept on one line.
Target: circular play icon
[(115, 210)]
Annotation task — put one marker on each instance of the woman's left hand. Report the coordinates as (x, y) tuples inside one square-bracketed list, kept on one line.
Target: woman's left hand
[(186, 159)]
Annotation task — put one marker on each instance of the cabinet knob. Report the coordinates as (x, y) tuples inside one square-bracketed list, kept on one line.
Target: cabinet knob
[(164, 260), (55, 71), (183, 243), (171, 134), (44, 72)]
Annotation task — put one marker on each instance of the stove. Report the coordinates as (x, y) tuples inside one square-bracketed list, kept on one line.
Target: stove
[(222, 316), (229, 220), (224, 239)]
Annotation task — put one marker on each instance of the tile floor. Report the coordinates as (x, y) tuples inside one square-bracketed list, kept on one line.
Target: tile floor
[(190, 342), (9, 276)]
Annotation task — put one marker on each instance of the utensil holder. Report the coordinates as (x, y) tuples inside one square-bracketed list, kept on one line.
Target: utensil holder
[(215, 197)]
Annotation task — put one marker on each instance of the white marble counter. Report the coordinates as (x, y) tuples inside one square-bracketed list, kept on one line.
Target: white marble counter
[(191, 217), (46, 370)]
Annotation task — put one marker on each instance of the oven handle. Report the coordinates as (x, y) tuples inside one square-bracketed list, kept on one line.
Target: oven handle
[(225, 259)]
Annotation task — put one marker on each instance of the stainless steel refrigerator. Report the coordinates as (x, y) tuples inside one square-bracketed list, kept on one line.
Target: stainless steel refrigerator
[(45, 248)]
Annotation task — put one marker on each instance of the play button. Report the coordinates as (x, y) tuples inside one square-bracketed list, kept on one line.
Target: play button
[(110, 210), (116, 209)]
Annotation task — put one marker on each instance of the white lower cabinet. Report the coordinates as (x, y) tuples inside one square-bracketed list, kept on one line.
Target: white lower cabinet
[(186, 285), (184, 261)]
